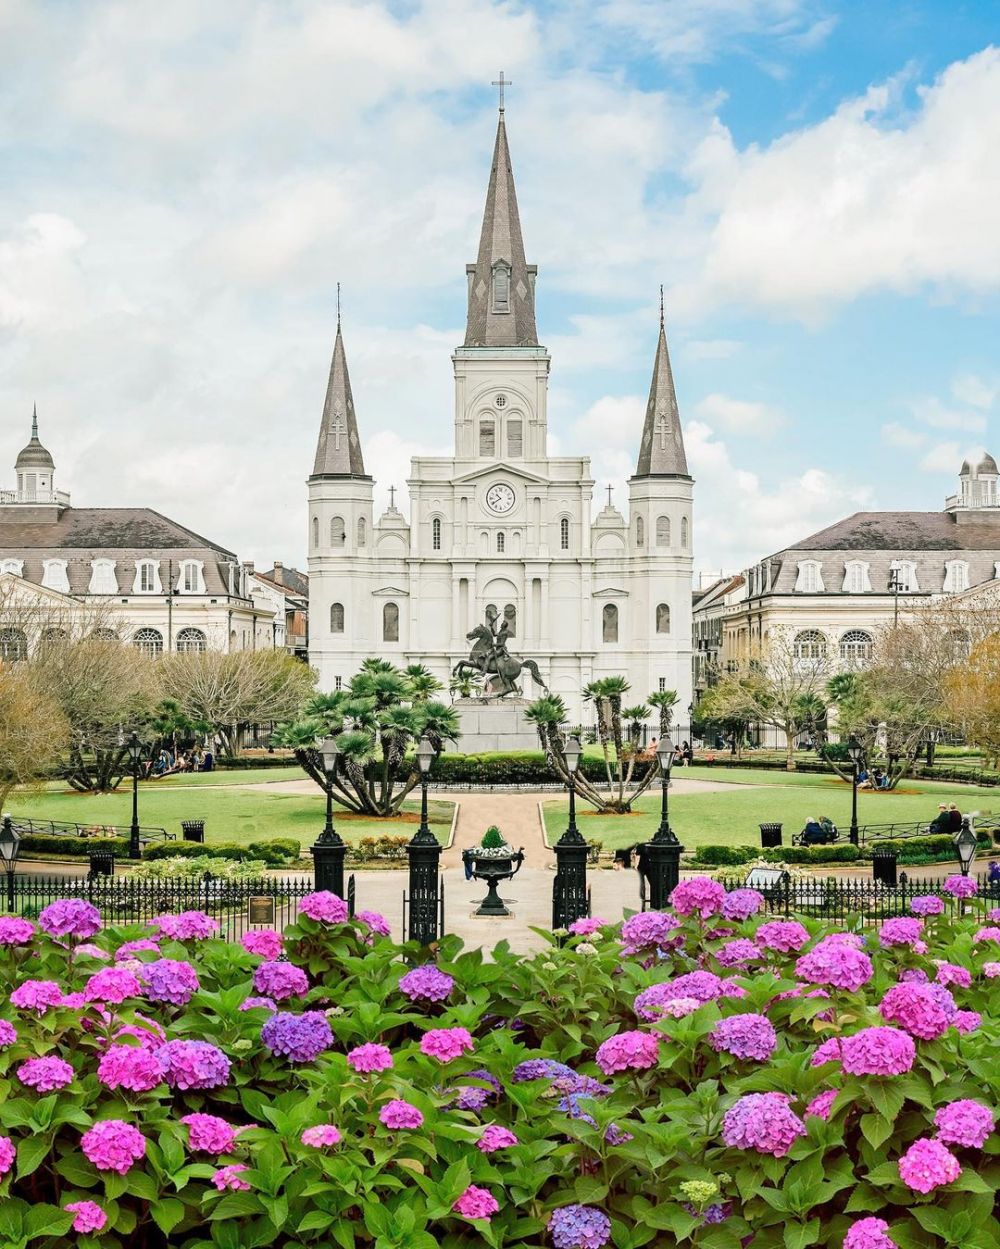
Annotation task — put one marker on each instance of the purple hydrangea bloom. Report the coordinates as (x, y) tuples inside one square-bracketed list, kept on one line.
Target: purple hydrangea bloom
[(170, 980), (426, 984), (15, 931), (280, 981), (927, 904), (964, 1122), (8, 1034), (540, 1069), (471, 1096), (960, 887), (193, 1065), (763, 1122), (698, 896), (70, 917), (649, 931), (299, 1038), (742, 904), (186, 926), (703, 986), (579, 1227), (745, 1036)]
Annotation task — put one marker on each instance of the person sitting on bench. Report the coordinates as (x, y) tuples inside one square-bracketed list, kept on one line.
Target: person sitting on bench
[(814, 834)]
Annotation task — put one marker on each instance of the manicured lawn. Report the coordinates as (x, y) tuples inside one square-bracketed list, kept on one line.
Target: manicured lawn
[(231, 814), (732, 817)]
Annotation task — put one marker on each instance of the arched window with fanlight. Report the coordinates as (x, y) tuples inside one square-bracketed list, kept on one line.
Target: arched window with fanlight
[(13, 645), (390, 622), (191, 640), (564, 534), (336, 617), (436, 533), (609, 622), (149, 641), (809, 646), (662, 617), (856, 646), (663, 531), (501, 542)]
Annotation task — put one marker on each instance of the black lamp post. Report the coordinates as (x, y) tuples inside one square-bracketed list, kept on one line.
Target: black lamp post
[(10, 848), (329, 850), (569, 889), (856, 752), (424, 854), (135, 753), (660, 858), (965, 847), (666, 753)]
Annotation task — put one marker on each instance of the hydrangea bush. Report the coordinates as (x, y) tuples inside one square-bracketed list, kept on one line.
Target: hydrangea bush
[(699, 1077)]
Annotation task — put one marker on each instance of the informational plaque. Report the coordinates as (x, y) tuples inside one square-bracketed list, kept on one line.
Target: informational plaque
[(260, 910), (764, 878)]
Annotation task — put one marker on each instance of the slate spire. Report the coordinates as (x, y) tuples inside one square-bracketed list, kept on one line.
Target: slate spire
[(661, 452), (502, 285), (338, 451)]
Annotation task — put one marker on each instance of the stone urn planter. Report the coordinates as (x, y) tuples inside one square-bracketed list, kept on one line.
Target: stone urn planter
[(493, 864)]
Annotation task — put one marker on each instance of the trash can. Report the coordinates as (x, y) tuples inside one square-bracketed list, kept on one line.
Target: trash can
[(770, 836), (102, 863), (194, 830), (884, 865)]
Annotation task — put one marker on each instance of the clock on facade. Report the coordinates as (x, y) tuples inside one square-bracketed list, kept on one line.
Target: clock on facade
[(500, 498)]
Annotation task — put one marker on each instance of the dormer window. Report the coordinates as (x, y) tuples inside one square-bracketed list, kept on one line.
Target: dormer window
[(501, 286), (147, 577), (810, 578), (14, 566), (191, 580), (903, 577), (856, 579), (956, 576), (102, 577)]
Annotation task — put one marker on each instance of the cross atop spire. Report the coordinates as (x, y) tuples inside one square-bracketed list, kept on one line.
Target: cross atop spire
[(661, 302), (34, 420), (661, 452), (338, 304), (338, 449), (501, 82)]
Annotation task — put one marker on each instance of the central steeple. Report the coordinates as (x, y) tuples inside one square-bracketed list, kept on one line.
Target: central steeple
[(338, 449), (501, 284)]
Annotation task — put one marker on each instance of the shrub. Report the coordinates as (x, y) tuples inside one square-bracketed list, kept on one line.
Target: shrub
[(935, 849), (726, 856), (46, 843), (492, 838), (277, 851)]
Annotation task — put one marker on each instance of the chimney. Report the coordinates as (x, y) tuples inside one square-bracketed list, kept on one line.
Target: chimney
[(248, 565)]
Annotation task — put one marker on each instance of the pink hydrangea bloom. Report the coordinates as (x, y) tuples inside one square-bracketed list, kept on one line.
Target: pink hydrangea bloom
[(209, 1134), (917, 1008), (679, 1007), (964, 1122), (444, 1044), (927, 904), (70, 917), (263, 941), (400, 1114), (494, 1137), (369, 1058), (130, 1067), (763, 1122), (628, 1051), (36, 995), (991, 970), (377, 922), (321, 1135), (14, 931), (960, 887), (476, 1203), (836, 963), (193, 1065), (701, 896), (737, 953), (229, 1177), (951, 973), (147, 1032), (705, 986), (170, 980), (586, 925), (426, 984), (783, 935), (324, 907), (8, 1034), (900, 932), (186, 926), (112, 1145), (877, 1052), (280, 981), (927, 1165), (869, 1233), (129, 948), (965, 1021), (742, 904), (745, 1036), (45, 1074), (74, 1001), (649, 931), (987, 934), (828, 1052), (822, 1104), (112, 985), (251, 1003), (89, 1216), (8, 1154)]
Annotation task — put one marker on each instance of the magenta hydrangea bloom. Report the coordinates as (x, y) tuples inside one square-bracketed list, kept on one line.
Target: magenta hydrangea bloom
[(927, 904), (230, 1177), (377, 922), (130, 1067), (130, 948), (763, 1122), (951, 973), (965, 1021), (45, 1074), (901, 931), (14, 931), (822, 1104), (446, 1044), (8, 1154), (324, 907), (36, 995), (70, 917), (587, 925), (494, 1137), (701, 895), (987, 934), (426, 984), (964, 1122), (147, 1032), (8, 1034), (649, 931), (786, 936), (263, 941), (835, 963), (579, 1227), (89, 1217), (628, 1051), (322, 1135), (737, 953), (869, 1233), (476, 1203), (927, 1165), (170, 980), (877, 1052), (280, 981), (112, 1145), (704, 986), (252, 1003), (370, 1058), (193, 1065), (209, 1134), (917, 1008), (187, 926), (960, 887), (400, 1114), (742, 904), (745, 1036), (111, 985), (991, 970), (299, 1038)]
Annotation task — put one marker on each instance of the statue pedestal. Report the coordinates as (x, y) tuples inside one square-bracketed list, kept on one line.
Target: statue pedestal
[(495, 726)]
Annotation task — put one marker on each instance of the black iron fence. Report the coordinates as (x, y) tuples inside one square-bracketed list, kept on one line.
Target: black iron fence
[(68, 828)]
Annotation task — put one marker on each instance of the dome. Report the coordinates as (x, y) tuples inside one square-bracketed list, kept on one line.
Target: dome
[(965, 470), (986, 465), (34, 455)]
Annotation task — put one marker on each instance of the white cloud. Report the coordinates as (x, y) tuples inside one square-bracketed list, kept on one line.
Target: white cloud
[(710, 348), (943, 457), (739, 416), (897, 435), (932, 412), (974, 390)]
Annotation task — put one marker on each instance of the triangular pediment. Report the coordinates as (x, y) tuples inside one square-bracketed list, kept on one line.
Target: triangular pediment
[(390, 591), (501, 466), (610, 591)]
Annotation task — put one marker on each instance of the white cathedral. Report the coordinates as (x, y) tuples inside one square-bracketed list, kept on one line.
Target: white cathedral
[(501, 529)]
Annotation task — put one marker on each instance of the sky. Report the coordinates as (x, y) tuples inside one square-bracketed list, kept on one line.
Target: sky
[(814, 182)]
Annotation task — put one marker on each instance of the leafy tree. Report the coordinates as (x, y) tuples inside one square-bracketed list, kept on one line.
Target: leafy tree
[(33, 729), (972, 697)]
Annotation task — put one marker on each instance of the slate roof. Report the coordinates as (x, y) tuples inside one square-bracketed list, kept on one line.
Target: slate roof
[(661, 452), (288, 579), (338, 449), (895, 531)]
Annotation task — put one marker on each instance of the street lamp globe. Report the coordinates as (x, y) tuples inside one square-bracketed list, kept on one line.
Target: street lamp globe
[(425, 754), (10, 843), (666, 753), (856, 751), (572, 752), (965, 847), (134, 747), (329, 752)]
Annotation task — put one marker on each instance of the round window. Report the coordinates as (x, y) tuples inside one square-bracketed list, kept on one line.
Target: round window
[(501, 401)]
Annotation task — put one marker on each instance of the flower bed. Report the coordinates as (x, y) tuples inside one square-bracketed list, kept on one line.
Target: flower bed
[(708, 1075)]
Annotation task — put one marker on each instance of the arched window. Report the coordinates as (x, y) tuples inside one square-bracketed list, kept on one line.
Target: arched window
[(105, 635), (609, 622), (191, 640), (640, 531), (390, 622), (487, 437), (13, 645), (685, 532), (501, 542), (436, 533), (810, 644), (663, 531), (662, 618), (856, 646), (515, 438), (149, 641), (501, 287), (960, 644), (336, 617), (315, 531), (564, 534), (510, 617), (338, 531), (53, 637), (362, 531)]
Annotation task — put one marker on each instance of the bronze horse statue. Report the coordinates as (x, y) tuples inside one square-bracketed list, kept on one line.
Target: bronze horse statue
[(484, 661)]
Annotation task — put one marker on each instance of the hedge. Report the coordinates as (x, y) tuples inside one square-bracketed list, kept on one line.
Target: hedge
[(275, 853), (526, 767), (47, 843), (734, 856)]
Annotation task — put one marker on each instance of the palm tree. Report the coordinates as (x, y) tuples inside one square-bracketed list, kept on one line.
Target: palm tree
[(664, 701), (423, 682)]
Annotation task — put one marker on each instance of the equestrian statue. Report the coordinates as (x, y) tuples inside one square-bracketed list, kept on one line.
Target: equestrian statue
[(490, 659)]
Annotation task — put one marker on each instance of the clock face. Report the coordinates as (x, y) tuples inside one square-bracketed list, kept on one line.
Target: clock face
[(500, 498)]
